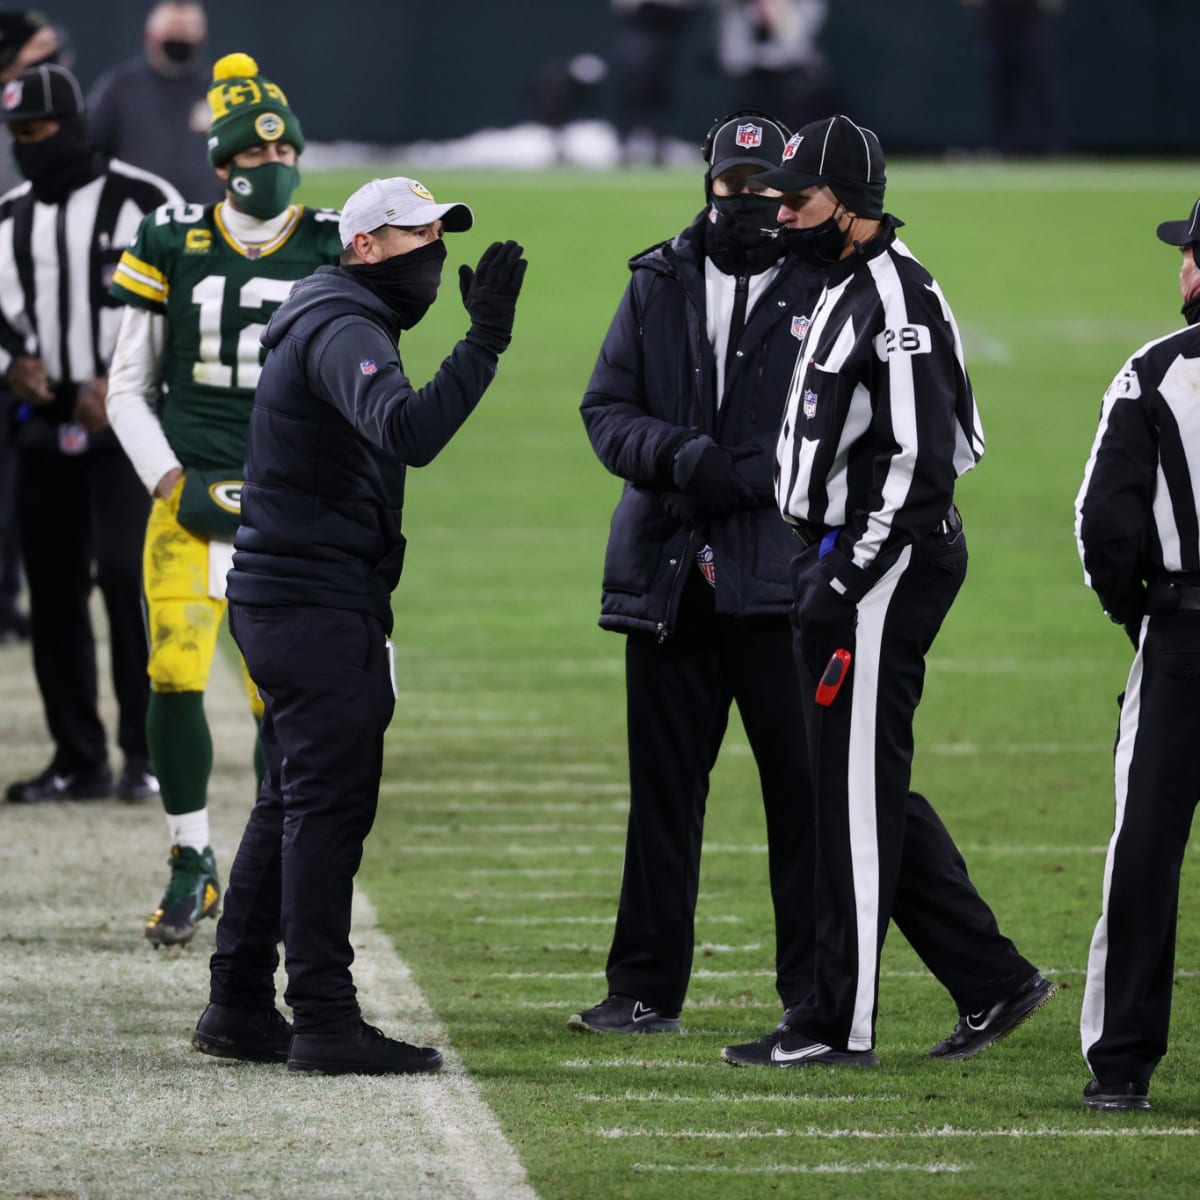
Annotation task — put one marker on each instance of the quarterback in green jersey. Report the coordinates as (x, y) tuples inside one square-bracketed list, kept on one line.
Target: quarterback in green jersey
[(200, 283)]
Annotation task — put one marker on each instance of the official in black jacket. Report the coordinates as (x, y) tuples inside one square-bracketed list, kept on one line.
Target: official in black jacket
[(319, 550), (684, 405)]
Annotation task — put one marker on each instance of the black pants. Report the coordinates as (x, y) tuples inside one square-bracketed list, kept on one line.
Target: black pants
[(678, 696), (323, 675), (10, 541), (1131, 967), (882, 852), (75, 511)]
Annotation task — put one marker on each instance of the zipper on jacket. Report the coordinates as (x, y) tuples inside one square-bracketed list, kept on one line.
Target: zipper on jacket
[(681, 565)]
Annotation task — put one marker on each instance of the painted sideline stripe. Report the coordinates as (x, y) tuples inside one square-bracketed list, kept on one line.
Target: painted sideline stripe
[(872, 1168), (946, 1131)]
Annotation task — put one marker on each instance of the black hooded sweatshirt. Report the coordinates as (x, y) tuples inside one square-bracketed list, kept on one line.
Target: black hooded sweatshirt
[(334, 425)]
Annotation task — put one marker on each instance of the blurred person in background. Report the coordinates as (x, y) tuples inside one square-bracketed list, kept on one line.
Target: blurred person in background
[(152, 110), (1023, 73), (769, 49), (26, 38), (200, 283), (684, 405), (647, 41), (79, 502), (1138, 530)]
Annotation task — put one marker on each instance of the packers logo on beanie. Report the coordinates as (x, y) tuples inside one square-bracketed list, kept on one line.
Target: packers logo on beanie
[(247, 109)]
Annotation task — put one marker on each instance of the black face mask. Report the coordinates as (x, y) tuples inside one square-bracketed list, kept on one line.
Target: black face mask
[(182, 54), (406, 283), (60, 164), (820, 246), (1191, 310), (742, 234)]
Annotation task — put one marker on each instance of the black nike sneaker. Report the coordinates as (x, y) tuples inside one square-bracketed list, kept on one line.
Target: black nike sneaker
[(624, 1014), (977, 1031)]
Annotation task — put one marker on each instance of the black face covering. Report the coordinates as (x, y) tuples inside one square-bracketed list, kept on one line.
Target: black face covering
[(1191, 310), (60, 164), (821, 245), (742, 234), (406, 283), (181, 53)]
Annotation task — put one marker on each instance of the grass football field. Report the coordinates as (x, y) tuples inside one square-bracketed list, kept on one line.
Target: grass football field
[(494, 865), (496, 859)]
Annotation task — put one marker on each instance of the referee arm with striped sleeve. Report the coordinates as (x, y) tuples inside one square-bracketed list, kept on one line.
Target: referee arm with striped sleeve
[(879, 422), (1138, 528)]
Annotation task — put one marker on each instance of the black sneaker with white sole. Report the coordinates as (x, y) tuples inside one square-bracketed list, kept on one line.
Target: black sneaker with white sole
[(977, 1031), (1116, 1097), (784, 1047), (624, 1014)]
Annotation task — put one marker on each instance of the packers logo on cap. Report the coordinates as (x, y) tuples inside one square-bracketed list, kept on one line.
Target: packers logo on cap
[(419, 189), (269, 126)]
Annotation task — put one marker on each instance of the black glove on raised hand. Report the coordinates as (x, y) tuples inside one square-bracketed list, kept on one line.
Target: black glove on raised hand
[(711, 478), (489, 294)]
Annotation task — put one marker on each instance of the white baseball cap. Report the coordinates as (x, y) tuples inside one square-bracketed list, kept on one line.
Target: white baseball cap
[(398, 201)]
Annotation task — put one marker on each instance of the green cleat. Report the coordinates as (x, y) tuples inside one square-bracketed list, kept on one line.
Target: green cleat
[(191, 895)]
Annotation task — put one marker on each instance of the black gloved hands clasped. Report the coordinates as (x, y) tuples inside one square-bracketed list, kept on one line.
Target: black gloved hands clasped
[(490, 291), (706, 473)]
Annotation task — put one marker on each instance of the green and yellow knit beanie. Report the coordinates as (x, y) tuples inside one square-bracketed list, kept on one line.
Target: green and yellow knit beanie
[(247, 109)]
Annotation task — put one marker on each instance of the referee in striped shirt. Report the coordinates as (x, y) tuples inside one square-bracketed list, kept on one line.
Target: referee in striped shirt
[(80, 505), (879, 422), (1138, 528)]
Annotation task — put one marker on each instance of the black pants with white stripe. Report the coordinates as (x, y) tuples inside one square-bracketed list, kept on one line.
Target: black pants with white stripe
[(1131, 967), (882, 852), (678, 698)]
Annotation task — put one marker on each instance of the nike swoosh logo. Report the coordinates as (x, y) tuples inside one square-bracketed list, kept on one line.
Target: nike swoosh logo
[(779, 1054), (641, 1012), (977, 1021)]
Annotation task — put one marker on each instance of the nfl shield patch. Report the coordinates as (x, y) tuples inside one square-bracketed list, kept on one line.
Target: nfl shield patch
[(706, 561), (749, 136), (367, 366), (11, 96), (810, 403), (799, 328)]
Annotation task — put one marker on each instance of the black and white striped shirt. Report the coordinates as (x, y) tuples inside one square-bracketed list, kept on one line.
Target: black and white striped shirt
[(880, 417), (1137, 515), (56, 262)]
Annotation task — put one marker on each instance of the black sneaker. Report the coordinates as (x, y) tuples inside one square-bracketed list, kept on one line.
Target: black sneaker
[(262, 1037), (362, 1051), (977, 1031), (137, 781), (1116, 1097), (624, 1014), (784, 1047), (92, 783)]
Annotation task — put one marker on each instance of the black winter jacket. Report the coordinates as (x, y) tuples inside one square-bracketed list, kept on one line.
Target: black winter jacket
[(653, 387), (335, 421)]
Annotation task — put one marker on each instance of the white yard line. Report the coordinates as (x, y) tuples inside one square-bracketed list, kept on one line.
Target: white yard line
[(655, 1097), (101, 1094), (874, 1168), (946, 1131)]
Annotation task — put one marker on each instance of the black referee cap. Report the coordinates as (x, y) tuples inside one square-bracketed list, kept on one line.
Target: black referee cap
[(44, 91), (838, 153), (1182, 233), (744, 138)]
